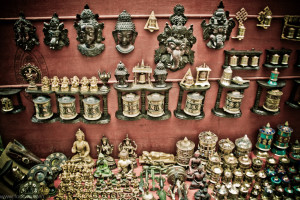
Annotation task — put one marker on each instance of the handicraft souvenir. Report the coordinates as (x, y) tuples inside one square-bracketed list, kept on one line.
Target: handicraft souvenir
[(29, 189), (272, 100), (216, 172), (45, 84), (89, 33), (226, 76), (185, 151), (264, 141), (295, 152), (102, 168), (233, 102), (94, 84), (142, 75), (131, 105), (106, 149), (198, 178), (214, 159), (244, 162), (193, 104), (75, 84), (31, 74), (155, 105), (121, 74), (55, 83), (207, 145), (84, 84), (151, 24), (55, 161), (125, 164), (218, 29), (291, 28), (202, 75), (64, 87), (124, 33), (282, 138), (241, 16), (7, 104), (160, 75), (230, 161), (43, 109), (56, 36), (25, 33), (277, 58), (130, 146), (176, 176), (156, 158), (243, 146), (104, 78), (238, 177), (194, 163), (175, 42), (92, 109), (67, 108), (226, 147), (264, 18), (274, 77)]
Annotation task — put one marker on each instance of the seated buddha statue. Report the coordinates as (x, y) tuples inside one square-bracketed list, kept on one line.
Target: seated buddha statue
[(125, 164), (102, 169)]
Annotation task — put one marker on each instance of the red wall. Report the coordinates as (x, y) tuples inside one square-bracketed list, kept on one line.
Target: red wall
[(44, 139)]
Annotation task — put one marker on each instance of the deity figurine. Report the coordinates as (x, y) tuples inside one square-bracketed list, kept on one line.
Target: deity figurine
[(130, 146), (121, 74), (160, 75), (89, 33), (56, 36), (219, 28), (45, 83), (199, 179), (106, 149), (102, 169), (31, 74), (55, 83), (194, 162), (94, 84), (175, 42), (124, 33), (125, 165), (84, 84), (82, 150), (155, 156), (75, 84), (64, 84)]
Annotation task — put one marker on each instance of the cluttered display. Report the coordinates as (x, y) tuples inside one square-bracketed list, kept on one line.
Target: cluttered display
[(213, 169)]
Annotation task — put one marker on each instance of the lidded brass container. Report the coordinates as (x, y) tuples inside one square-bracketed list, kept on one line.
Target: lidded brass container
[(230, 161), (207, 144), (155, 105), (272, 100), (216, 172), (91, 107), (43, 108), (213, 160), (233, 193), (222, 193), (244, 190), (257, 164), (271, 163), (282, 139), (131, 105), (67, 107), (243, 146), (227, 177), (226, 147), (238, 177), (7, 104), (233, 102), (249, 176), (185, 151), (226, 76), (260, 176), (193, 104), (245, 162), (264, 141)]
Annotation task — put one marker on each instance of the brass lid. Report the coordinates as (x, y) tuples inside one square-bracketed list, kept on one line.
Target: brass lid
[(91, 100), (238, 172), (217, 169), (235, 95), (66, 99), (155, 97), (271, 160), (185, 144), (245, 160), (130, 97), (226, 144), (257, 161), (233, 190), (261, 174), (275, 92), (195, 96), (41, 100), (207, 137), (243, 143), (250, 173)]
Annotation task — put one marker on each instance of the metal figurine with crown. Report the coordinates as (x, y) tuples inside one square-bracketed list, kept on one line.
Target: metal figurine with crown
[(121, 74), (124, 33), (175, 42), (89, 33), (264, 141)]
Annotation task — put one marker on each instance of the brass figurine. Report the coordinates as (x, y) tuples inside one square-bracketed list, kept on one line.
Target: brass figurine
[(142, 75), (130, 146), (31, 74), (194, 163), (84, 84), (202, 75), (124, 33), (56, 36), (125, 164), (121, 74), (218, 29), (89, 33), (151, 24), (45, 84), (188, 80), (265, 18), (175, 42), (64, 87), (241, 16), (25, 33), (106, 149), (131, 105), (55, 83), (102, 168), (75, 84), (156, 157), (93, 84)]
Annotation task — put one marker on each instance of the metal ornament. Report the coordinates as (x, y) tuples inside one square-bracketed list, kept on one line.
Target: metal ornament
[(216, 172), (121, 74), (230, 161), (94, 83), (142, 75), (67, 107), (265, 18), (175, 42), (7, 104), (55, 83), (193, 104), (155, 105), (218, 29), (233, 102), (29, 189), (282, 138), (25, 33), (185, 151), (89, 33), (291, 28), (84, 84), (56, 36), (202, 75), (241, 16), (91, 107), (188, 80), (45, 84), (264, 141), (54, 161), (75, 84), (43, 109), (273, 77), (131, 105), (160, 75), (104, 78), (243, 146), (207, 144), (272, 100), (124, 33), (151, 24), (226, 147), (64, 87), (31, 74), (226, 76), (213, 160)]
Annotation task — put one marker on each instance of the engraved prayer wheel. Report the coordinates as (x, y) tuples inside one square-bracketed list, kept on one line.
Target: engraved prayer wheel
[(185, 151), (193, 104), (131, 105), (155, 105), (233, 102), (233, 61), (91, 108), (285, 59), (43, 108), (274, 59), (67, 107), (238, 177), (226, 76), (227, 177), (282, 139), (244, 61), (257, 164), (249, 176), (243, 146), (264, 141), (207, 144), (254, 61), (272, 100), (216, 172), (7, 104)]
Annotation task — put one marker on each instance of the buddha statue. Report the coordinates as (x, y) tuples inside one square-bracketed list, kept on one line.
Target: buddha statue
[(81, 148), (158, 156), (106, 149), (199, 179), (194, 162), (125, 165), (102, 169)]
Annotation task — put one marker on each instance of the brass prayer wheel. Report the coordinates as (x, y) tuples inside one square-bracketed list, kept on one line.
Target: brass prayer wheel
[(285, 59), (67, 107), (185, 151), (43, 108), (91, 108), (274, 59), (7, 104), (131, 105), (272, 100), (216, 172), (233, 102), (254, 61), (230, 161), (233, 61), (207, 144), (245, 162), (238, 177), (193, 104), (243, 146), (155, 105), (213, 160), (244, 61), (257, 164), (226, 147)]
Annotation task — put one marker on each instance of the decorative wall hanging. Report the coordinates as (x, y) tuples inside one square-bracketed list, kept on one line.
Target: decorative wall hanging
[(151, 24), (31, 74), (291, 28), (282, 138), (124, 33), (89, 33), (261, 110), (241, 17), (175, 42), (242, 59), (56, 36), (130, 96), (195, 96), (6, 98), (292, 102), (25, 33), (277, 58), (265, 18), (218, 29), (264, 141)]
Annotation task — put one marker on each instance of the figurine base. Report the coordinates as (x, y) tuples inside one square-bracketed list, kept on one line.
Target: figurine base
[(71, 121), (103, 120), (182, 115), (221, 113), (262, 111), (293, 104), (165, 116), (53, 119), (261, 154), (275, 66), (242, 68)]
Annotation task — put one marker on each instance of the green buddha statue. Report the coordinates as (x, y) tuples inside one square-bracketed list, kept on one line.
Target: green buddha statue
[(102, 169)]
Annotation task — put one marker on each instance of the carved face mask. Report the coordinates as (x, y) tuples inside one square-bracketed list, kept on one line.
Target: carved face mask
[(89, 34), (125, 38), (177, 49)]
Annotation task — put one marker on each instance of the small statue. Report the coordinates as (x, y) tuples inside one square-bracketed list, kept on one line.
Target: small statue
[(121, 75), (89, 33), (82, 150), (130, 146), (219, 28), (124, 33), (94, 84), (31, 74), (198, 178), (75, 84), (160, 75), (45, 83), (55, 83), (158, 157), (56, 36), (106, 149), (125, 164), (102, 169), (64, 84), (194, 162), (84, 84)]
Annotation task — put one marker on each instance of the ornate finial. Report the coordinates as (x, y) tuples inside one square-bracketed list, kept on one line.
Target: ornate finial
[(178, 18), (268, 125), (286, 123), (22, 15), (221, 5), (86, 6)]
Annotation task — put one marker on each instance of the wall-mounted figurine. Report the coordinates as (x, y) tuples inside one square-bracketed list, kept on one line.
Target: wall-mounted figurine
[(25, 33), (241, 16), (89, 33), (31, 74), (175, 42), (121, 74), (124, 33), (291, 28), (160, 75), (56, 36), (264, 18), (151, 24), (218, 29)]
